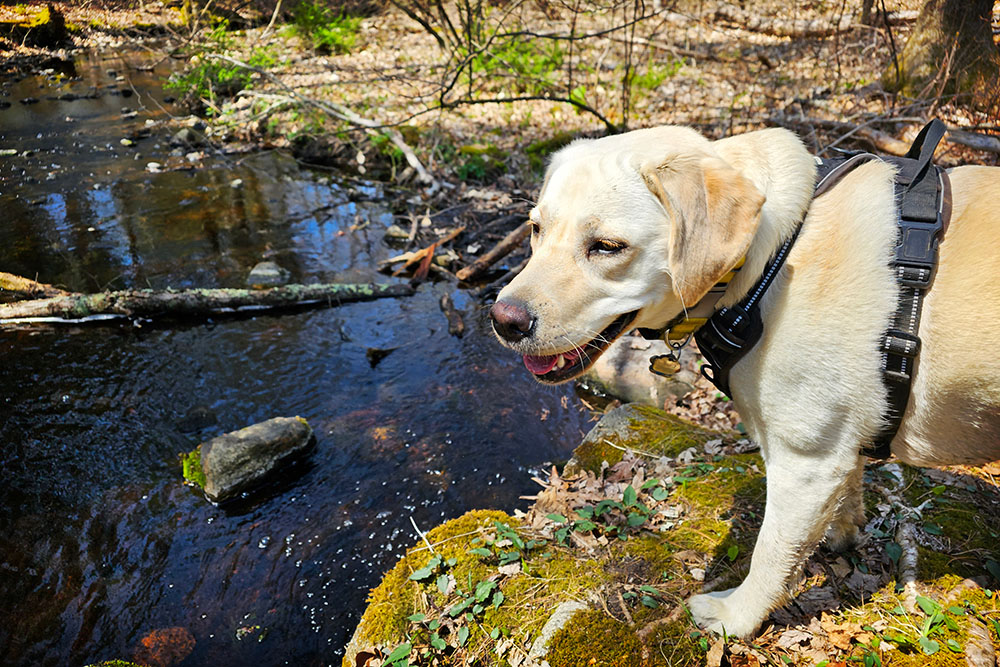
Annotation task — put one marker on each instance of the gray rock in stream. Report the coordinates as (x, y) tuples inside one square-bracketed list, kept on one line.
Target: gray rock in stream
[(238, 461), (267, 274)]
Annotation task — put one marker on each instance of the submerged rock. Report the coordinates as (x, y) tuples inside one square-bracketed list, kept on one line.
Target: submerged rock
[(165, 647), (267, 274), (187, 137), (238, 461)]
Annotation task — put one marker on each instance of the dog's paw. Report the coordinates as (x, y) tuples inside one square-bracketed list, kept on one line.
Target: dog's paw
[(717, 612), (844, 536)]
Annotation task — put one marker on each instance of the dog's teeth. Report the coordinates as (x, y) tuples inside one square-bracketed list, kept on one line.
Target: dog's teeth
[(561, 362)]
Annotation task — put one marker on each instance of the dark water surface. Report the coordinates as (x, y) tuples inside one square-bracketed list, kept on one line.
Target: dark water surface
[(100, 542)]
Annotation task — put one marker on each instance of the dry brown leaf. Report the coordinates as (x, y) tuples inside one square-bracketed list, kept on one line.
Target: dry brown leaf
[(793, 638), (840, 635), (716, 653)]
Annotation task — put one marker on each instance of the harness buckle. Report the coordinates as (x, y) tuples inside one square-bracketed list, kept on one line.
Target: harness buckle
[(901, 343), (908, 275), (897, 377), (916, 248)]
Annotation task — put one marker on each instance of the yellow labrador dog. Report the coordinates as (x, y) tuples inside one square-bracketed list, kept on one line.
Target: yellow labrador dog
[(631, 229)]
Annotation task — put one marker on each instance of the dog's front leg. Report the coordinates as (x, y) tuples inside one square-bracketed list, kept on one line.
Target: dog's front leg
[(804, 492)]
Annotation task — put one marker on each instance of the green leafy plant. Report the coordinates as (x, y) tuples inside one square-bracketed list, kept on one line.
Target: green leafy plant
[(611, 517), (326, 30)]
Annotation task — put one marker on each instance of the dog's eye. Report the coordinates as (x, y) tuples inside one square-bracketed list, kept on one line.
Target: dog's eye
[(605, 247)]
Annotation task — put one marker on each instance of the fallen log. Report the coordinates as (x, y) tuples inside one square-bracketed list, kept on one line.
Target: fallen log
[(189, 303), (25, 288), (500, 250), (795, 28), (886, 142)]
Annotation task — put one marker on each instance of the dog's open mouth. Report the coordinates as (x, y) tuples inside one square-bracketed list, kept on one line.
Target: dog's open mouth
[(556, 368)]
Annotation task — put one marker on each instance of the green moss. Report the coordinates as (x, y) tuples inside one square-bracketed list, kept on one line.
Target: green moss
[(654, 552), (559, 578), (642, 429), (594, 638), (191, 467), (903, 630), (674, 644)]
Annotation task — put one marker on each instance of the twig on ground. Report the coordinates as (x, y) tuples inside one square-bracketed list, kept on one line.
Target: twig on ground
[(883, 141), (422, 535), (498, 284), (188, 303), (500, 250), (906, 535)]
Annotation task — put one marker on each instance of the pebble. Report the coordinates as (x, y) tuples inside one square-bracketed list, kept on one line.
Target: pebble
[(154, 167)]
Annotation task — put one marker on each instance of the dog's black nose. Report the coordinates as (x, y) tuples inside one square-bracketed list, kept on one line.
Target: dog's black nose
[(511, 321)]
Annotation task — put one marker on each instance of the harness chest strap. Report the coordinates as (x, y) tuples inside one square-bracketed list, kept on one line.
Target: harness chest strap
[(922, 190)]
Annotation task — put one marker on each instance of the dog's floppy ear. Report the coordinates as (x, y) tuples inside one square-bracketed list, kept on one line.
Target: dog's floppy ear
[(714, 211)]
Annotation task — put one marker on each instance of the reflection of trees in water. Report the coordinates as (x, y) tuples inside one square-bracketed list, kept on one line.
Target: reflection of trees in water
[(178, 228)]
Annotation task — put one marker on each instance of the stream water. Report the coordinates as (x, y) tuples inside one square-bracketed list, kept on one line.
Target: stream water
[(100, 542)]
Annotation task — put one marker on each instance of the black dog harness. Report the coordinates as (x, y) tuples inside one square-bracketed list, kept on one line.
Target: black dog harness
[(922, 192)]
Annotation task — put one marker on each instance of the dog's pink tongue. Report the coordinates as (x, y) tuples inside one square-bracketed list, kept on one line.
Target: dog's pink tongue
[(540, 364)]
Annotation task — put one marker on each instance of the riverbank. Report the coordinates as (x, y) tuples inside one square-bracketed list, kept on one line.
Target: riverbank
[(652, 509)]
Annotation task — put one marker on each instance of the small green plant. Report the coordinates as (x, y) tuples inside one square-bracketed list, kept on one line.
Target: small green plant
[(446, 626), (655, 74), (526, 67), (508, 546), (611, 517), (326, 30), (212, 78)]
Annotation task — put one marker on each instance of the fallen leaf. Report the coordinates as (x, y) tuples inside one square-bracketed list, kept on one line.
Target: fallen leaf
[(793, 637), (716, 653), (164, 647)]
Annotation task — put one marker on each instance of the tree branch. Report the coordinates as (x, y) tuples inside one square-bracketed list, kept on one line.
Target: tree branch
[(343, 113), (189, 303), (24, 288)]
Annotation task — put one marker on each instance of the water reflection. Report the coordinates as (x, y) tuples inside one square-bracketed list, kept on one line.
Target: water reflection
[(100, 544)]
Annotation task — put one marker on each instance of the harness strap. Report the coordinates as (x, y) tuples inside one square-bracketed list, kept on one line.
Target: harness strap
[(731, 332), (923, 193)]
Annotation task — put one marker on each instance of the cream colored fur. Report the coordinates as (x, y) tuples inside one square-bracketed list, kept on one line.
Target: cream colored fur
[(810, 392)]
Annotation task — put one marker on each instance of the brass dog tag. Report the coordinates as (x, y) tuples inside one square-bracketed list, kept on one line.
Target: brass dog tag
[(664, 365)]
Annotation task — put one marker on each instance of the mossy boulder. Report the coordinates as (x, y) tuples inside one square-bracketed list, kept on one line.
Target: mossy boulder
[(36, 25), (235, 463), (654, 509)]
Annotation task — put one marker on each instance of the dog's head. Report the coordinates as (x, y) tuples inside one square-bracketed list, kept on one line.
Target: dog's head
[(627, 232)]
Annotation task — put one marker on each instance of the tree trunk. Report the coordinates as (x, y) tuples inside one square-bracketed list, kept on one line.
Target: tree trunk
[(190, 303), (950, 51)]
